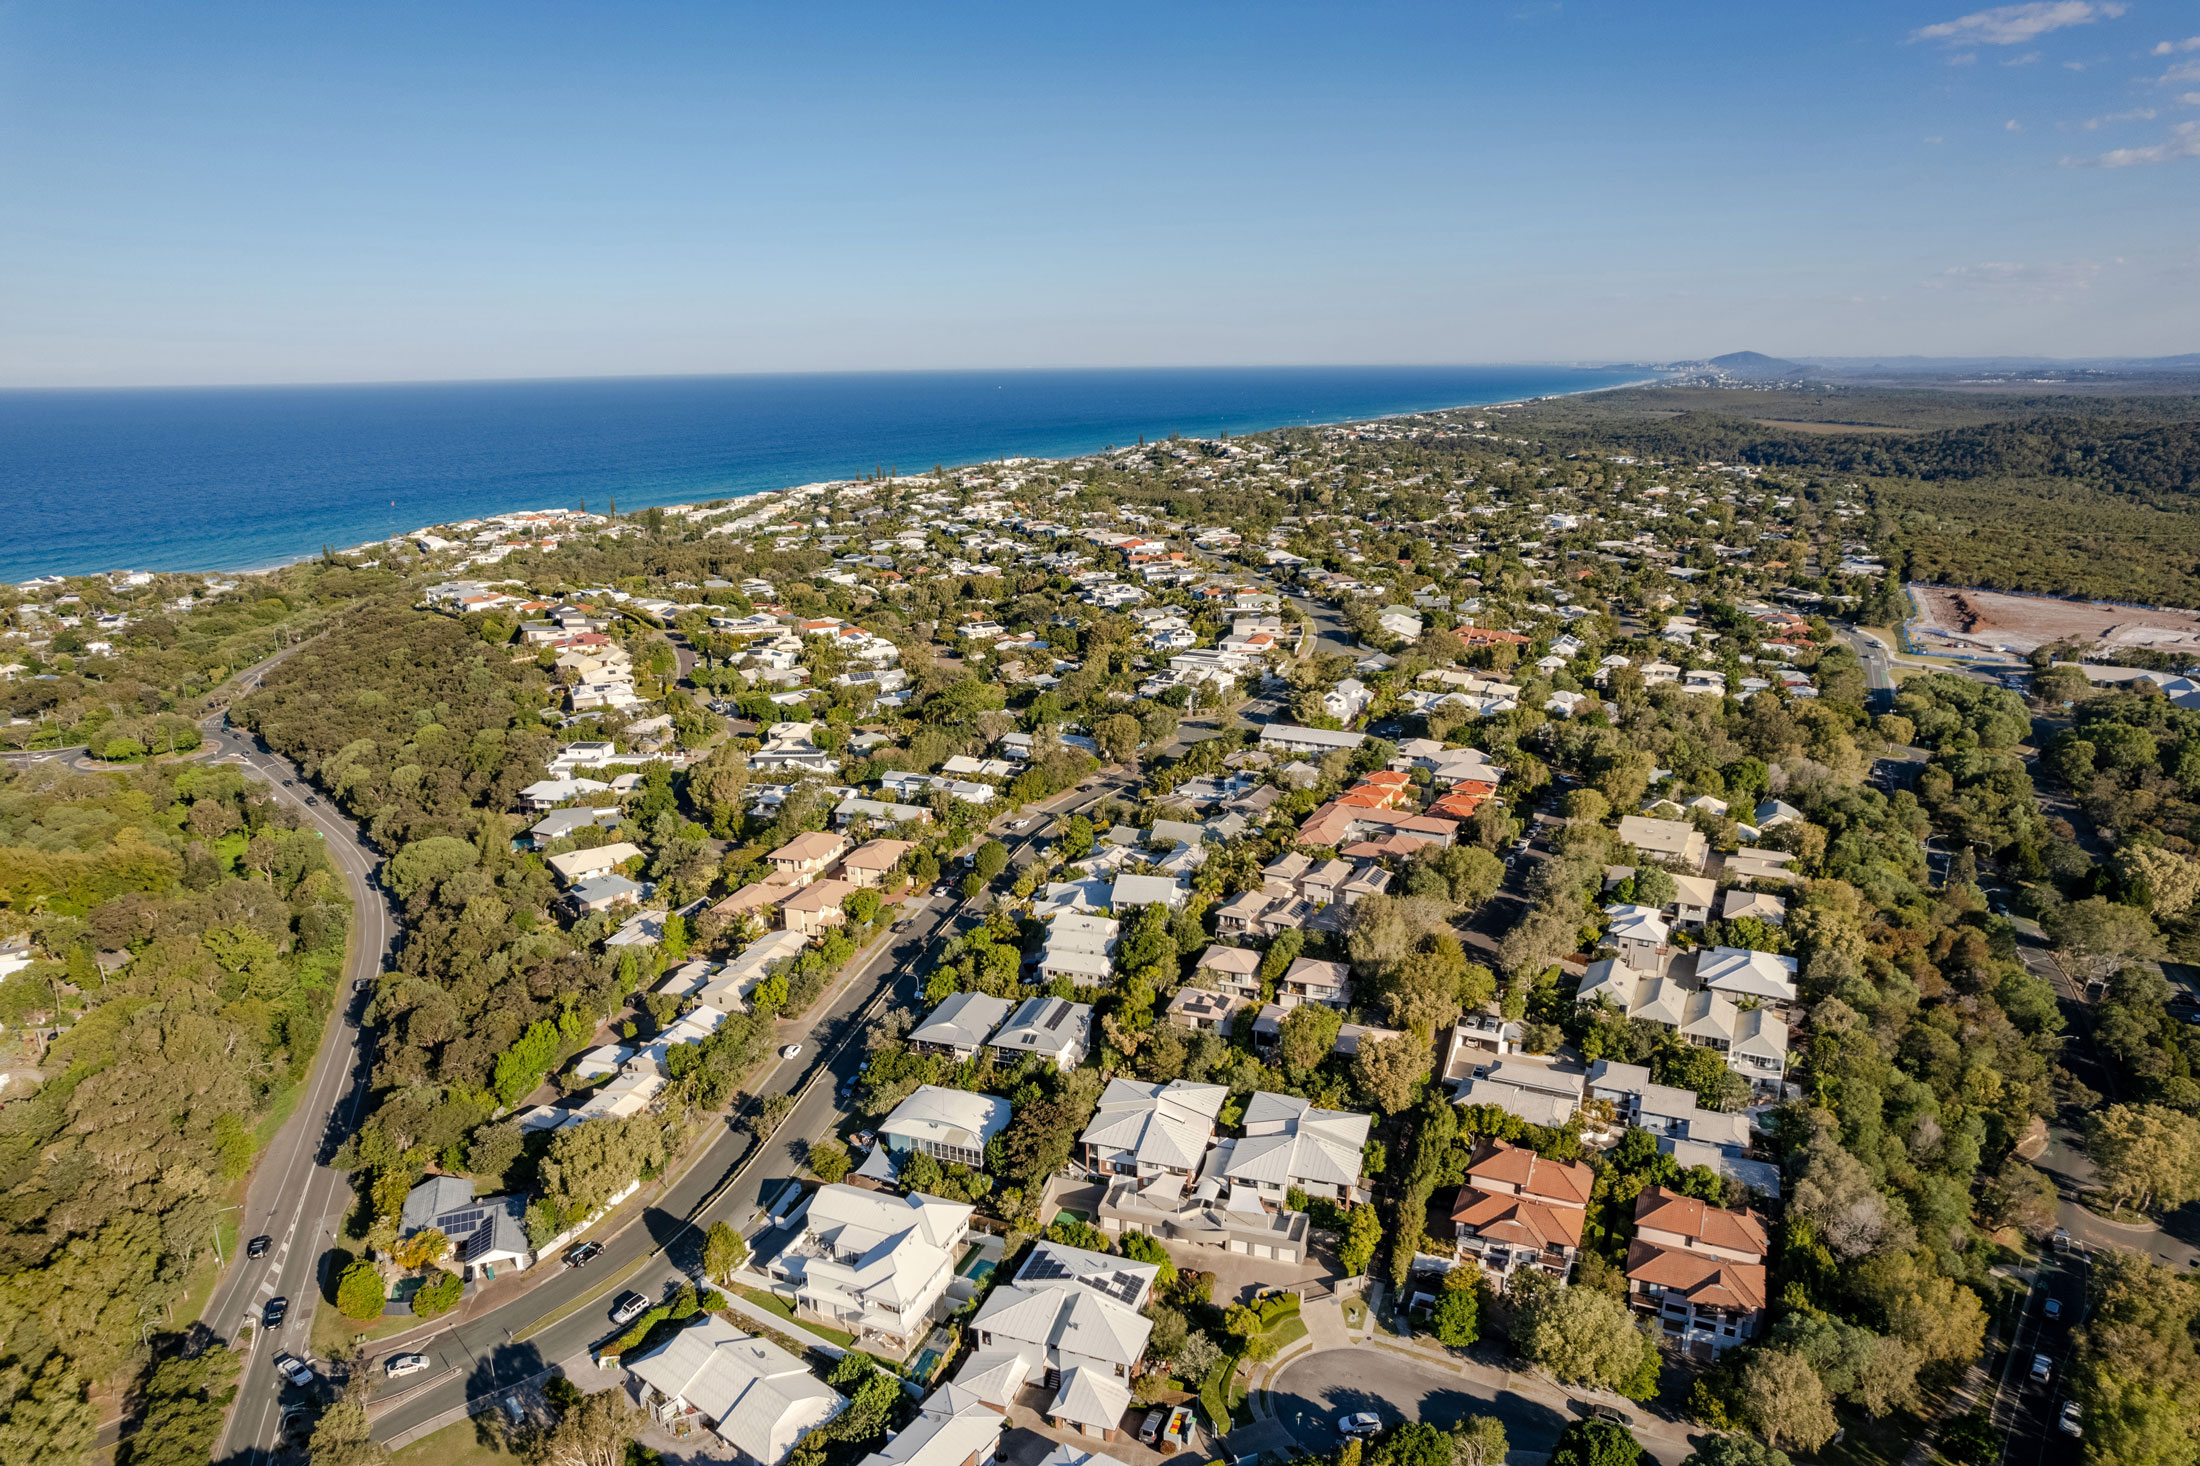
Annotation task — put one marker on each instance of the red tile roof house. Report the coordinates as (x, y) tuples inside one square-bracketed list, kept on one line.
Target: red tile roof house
[(1520, 1210), (1699, 1270)]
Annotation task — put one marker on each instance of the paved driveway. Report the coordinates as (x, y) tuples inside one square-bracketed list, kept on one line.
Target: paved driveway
[(1312, 1391)]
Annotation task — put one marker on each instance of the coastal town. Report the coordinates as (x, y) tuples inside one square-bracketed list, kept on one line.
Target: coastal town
[(1153, 943)]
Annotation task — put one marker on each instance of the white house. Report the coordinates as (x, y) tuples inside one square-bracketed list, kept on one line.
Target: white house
[(754, 1395), (1054, 1027), (1289, 1144), (1146, 1130), (866, 1261)]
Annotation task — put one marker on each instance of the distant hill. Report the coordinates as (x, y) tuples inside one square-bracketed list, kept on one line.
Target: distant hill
[(1755, 366)]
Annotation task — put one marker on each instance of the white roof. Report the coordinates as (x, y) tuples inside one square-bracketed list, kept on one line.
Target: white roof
[(948, 1117), (956, 1425), (1089, 1397), (962, 1020), (1144, 891), (1160, 1124), (1288, 1141), (577, 865), (1753, 974), (1047, 1025), (759, 1398)]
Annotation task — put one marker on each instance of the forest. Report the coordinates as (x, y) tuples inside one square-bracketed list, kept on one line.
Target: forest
[(191, 937)]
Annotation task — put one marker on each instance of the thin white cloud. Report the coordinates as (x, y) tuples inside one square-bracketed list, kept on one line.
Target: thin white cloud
[(2189, 99), (2045, 281), (2184, 71), (2171, 48), (2015, 25), (2025, 60), (2012, 125), (2137, 114), (2183, 142)]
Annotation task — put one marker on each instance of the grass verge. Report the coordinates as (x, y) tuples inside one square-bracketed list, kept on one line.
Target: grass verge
[(779, 1307)]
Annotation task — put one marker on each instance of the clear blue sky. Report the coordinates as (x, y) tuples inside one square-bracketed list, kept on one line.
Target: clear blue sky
[(222, 192)]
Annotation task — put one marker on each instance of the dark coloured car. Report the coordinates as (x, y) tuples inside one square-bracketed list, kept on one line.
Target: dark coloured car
[(311, 799), (271, 1317), (583, 1255), (258, 1246)]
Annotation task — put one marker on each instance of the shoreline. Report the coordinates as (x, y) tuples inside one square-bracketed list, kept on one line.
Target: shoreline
[(270, 568)]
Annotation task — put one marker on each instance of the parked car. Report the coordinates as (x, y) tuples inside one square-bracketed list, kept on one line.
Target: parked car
[(2042, 1367), (397, 1366), (1149, 1433), (292, 1368), (258, 1246), (2071, 1420), (583, 1255), (1353, 1426), (271, 1316), (1613, 1414), (628, 1306), (2061, 1239), (790, 1051), (2053, 1309)]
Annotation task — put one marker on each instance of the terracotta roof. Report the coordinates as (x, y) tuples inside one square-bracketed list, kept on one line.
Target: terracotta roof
[(1517, 1219), (1669, 1211), (1706, 1281), (1565, 1182)]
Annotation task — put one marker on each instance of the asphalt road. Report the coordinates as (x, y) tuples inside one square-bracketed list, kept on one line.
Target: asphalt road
[(1314, 1391), (2026, 1409), (294, 1199), (506, 1346), (1878, 666)]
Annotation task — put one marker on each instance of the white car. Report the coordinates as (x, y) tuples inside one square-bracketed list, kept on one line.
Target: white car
[(790, 1051), (2070, 1419), (1365, 1423), (292, 1368), (2042, 1367), (397, 1366)]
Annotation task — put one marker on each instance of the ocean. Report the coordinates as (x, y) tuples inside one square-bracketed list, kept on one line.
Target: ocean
[(245, 478)]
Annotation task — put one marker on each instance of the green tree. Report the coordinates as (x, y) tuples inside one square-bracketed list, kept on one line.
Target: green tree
[(598, 1431), (1363, 1233), (1784, 1401), (359, 1292), (829, 1161), (1458, 1317), (1416, 1443), (1479, 1440), (1596, 1443), (724, 1250), (1587, 1337)]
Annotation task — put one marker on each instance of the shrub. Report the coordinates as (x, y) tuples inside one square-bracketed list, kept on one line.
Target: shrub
[(439, 1295)]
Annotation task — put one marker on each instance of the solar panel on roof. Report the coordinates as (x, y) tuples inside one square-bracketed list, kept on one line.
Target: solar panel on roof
[(1123, 1286), (1045, 1267), (458, 1223), (1061, 1011)]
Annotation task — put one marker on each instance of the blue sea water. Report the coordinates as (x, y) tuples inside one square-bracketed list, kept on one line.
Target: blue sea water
[(243, 478)]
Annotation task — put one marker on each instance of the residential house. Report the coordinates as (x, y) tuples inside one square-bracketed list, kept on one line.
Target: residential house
[(560, 824), (1146, 1130), (576, 866), (1310, 980), (1770, 910), (485, 1232), (1671, 842), (946, 1124), (960, 1025), (807, 856), (1055, 1028), (1541, 1094), (1073, 1318), (816, 907), (602, 893), (1521, 1210), (1133, 890), (1741, 973), (1290, 1145), (752, 1394), (955, 1427), (1231, 970), (1289, 738), (1698, 1270), (871, 1262), (1202, 1010), (868, 865)]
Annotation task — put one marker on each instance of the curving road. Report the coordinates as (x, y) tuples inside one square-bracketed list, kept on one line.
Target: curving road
[(1310, 1393), (294, 1199)]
